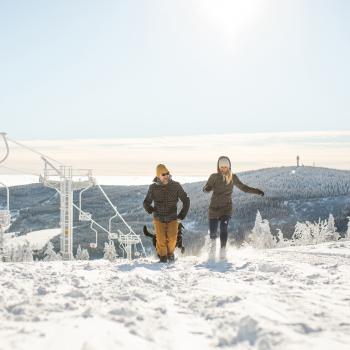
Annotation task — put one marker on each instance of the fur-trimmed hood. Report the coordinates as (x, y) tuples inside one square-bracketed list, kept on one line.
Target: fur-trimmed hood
[(223, 157)]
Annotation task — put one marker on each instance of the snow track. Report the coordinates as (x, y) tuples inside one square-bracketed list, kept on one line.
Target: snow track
[(290, 298)]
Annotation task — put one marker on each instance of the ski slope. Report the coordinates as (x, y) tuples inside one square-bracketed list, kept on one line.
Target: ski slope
[(288, 298), (37, 239)]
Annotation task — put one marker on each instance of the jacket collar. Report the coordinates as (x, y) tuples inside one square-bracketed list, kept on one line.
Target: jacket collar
[(159, 183)]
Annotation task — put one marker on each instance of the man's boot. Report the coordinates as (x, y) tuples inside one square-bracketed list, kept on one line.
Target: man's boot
[(163, 259), (171, 258)]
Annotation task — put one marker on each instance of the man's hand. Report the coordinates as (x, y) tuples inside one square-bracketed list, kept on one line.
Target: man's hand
[(150, 210), (180, 217)]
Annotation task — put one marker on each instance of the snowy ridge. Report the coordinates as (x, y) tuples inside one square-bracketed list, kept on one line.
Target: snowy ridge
[(258, 299), (37, 239)]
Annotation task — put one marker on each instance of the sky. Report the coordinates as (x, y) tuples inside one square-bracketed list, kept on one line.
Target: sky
[(114, 70), (185, 156)]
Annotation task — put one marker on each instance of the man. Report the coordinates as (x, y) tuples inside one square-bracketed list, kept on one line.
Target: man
[(164, 193)]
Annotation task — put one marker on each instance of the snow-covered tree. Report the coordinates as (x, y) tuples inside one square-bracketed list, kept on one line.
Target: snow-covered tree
[(3, 255), (18, 253), (258, 222), (319, 231), (109, 251), (82, 254), (261, 237), (347, 235), (85, 254), (78, 255), (50, 254), (310, 233), (8, 255), (58, 256), (332, 230), (281, 242), (331, 223), (27, 255), (302, 234), (11, 253)]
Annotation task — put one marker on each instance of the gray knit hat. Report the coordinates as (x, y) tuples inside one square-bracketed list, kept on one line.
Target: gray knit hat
[(224, 161)]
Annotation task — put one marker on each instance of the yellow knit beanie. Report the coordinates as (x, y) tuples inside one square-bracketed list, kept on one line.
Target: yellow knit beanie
[(161, 169)]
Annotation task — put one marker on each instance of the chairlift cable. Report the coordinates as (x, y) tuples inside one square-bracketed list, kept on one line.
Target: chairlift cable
[(34, 150)]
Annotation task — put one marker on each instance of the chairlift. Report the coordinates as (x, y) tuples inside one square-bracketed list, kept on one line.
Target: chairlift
[(93, 245), (128, 242), (3, 135), (83, 215)]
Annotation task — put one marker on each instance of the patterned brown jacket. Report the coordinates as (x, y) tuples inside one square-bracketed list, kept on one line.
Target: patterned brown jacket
[(165, 199)]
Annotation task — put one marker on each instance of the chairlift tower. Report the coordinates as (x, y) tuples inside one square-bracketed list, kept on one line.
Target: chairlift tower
[(65, 180)]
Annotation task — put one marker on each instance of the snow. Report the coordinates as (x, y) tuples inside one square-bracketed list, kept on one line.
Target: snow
[(37, 239), (15, 180), (285, 298)]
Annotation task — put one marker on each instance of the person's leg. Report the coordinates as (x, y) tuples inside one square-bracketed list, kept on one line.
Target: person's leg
[(172, 229), (224, 220), (213, 228), (161, 246)]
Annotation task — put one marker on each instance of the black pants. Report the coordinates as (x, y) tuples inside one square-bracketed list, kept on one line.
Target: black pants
[(213, 228)]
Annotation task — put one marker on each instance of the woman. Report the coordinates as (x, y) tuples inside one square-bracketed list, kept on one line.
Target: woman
[(220, 208)]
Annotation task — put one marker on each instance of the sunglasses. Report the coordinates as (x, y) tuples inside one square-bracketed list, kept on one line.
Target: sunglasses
[(165, 174)]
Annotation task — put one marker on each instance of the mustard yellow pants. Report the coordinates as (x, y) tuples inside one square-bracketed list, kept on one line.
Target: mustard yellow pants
[(166, 233)]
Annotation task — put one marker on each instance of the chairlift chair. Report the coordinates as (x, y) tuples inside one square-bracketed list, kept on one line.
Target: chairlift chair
[(93, 245), (83, 215), (3, 135)]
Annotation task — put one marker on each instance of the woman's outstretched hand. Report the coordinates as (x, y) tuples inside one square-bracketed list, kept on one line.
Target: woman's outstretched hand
[(260, 193)]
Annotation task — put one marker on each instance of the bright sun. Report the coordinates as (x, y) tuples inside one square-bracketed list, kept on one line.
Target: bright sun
[(229, 17)]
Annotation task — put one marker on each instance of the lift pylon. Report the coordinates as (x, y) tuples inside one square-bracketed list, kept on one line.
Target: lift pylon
[(65, 180)]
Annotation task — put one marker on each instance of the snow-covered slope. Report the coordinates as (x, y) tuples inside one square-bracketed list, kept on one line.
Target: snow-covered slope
[(37, 239), (289, 298)]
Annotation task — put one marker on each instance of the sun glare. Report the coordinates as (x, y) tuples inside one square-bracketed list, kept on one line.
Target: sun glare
[(229, 17)]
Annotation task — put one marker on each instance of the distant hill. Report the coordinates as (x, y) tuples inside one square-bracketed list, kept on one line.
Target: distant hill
[(292, 194)]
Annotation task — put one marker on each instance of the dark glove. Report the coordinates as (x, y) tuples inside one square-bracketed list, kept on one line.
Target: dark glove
[(260, 193), (180, 217), (150, 210)]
